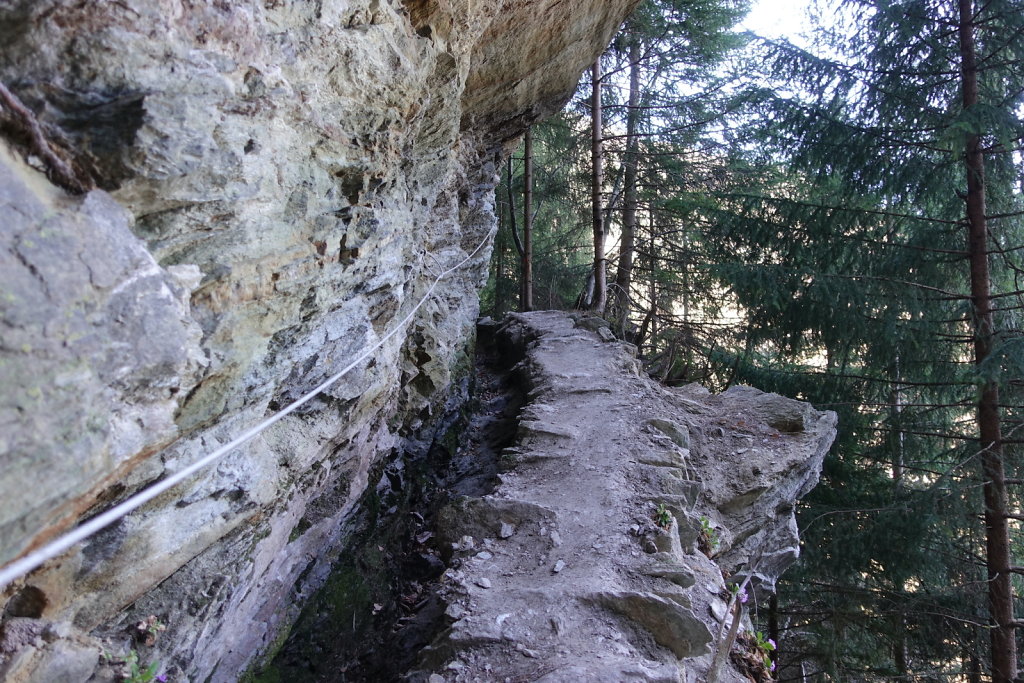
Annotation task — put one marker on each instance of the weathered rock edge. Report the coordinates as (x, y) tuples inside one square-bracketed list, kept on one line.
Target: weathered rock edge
[(563, 574), (281, 180)]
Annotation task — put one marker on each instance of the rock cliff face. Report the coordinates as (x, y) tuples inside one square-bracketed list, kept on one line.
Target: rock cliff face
[(279, 182)]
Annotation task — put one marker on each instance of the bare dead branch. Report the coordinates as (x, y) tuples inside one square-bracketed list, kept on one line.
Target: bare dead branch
[(57, 168)]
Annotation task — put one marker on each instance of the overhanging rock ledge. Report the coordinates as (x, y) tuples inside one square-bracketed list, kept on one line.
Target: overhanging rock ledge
[(280, 182)]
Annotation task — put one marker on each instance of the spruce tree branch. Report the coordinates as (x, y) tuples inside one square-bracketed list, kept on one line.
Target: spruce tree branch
[(872, 212), (947, 295), (996, 216), (939, 435), (1008, 43), (680, 128)]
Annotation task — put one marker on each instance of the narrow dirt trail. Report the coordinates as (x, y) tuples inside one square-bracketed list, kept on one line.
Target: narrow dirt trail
[(566, 572)]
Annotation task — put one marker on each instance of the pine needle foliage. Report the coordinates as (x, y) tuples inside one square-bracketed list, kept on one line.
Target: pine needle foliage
[(847, 253)]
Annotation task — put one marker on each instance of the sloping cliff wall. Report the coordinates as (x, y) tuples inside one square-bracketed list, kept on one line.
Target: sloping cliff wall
[(278, 184)]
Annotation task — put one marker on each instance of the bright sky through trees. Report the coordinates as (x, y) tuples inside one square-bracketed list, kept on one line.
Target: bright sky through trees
[(778, 19)]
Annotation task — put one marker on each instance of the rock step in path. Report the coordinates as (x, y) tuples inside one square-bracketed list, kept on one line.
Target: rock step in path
[(583, 564)]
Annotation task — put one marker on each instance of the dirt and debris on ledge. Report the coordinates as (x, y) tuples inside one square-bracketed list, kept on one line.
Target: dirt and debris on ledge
[(584, 564)]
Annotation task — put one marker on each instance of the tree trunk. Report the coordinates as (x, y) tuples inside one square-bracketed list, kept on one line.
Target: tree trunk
[(600, 296), (499, 276), (649, 328), (526, 298), (624, 272), (655, 292), (899, 647), (973, 664), (512, 210), (997, 532), (897, 439)]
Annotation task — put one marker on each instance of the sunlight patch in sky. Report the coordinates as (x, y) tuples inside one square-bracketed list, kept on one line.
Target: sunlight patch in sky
[(778, 19)]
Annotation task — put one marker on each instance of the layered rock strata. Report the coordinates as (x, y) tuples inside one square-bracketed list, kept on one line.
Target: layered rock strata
[(586, 562), (279, 184)]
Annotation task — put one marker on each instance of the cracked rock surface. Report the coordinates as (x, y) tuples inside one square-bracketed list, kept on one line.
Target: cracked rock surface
[(567, 571), (279, 182)]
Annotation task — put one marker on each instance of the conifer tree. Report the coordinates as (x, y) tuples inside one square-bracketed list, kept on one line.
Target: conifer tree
[(672, 42), (597, 290), (838, 234), (860, 253)]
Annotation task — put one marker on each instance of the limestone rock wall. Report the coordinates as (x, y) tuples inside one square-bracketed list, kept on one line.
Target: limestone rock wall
[(279, 181)]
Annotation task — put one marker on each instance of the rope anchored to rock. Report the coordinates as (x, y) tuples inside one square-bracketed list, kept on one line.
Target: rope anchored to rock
[(33, 560)]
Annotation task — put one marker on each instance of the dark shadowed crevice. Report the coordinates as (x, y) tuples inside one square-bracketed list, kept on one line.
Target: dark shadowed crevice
[(378, 609)]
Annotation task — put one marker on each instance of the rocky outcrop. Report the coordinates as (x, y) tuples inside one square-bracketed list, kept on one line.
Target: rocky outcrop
[(626, 513), (279, 184)]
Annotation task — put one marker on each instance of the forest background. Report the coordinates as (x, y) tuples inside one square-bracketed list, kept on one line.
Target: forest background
[(839, 222)]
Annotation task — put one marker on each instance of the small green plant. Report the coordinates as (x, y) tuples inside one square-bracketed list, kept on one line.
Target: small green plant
[(709, 535), (135, 673), (149, 629), (765, 647), (662, 517), (144, 632)]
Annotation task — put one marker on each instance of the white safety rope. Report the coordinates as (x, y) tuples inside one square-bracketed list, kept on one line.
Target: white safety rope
[(21, 567)]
